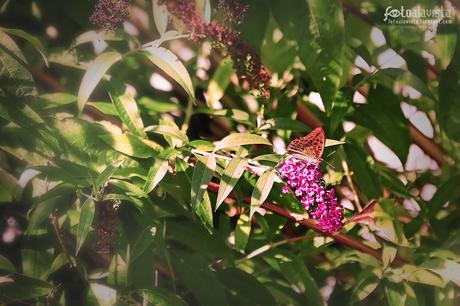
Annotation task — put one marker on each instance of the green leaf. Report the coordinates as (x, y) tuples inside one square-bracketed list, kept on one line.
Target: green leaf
[(170, 64), (6, 264), (41, 212), (240, 139), (367, 178), (445, 296), (91, 36), (230, 177), (254, 25), (204, 170), (318, 28), (388, 255), (446, 192), (246, 285), (443, 44), (383, 115), (131, 145), (157, 171), (396, 294), (18, 287), (204, 212), (168, 130), (194, 274), (105, 295), (127, 109), (16, 78), (160, 297), (105, 108), (262, 190), (52, 100), (332, 142), (219, 82), (234, 114), (295, 271), (131, 188), (154, 106), (449, 270), (160, 16), (30, 39), (84, 223), (449, 90), (143, 242), (93, 75), (242, 232), (367, 284), (104, 176), (118, 271)]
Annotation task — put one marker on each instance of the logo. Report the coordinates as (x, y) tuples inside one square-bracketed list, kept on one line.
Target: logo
[(417, 15)]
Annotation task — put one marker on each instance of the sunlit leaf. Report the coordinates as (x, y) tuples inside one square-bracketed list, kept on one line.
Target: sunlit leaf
[(96, 70), (168, 130), (204, 170), (230, 177), (219, 82), (242, 232), (240, 139), (262, 190), (157, 171), (16, 78), (31, 39), (131, 145), (160, 16), (170, 64), (204, 212), (85, 222), (127, 109)]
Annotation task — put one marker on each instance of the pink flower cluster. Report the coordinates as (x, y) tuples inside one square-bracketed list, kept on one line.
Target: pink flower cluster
[(108, 14), (246, 62), (305, 179)]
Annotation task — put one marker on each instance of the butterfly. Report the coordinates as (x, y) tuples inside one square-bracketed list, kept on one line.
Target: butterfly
[(309, 147)]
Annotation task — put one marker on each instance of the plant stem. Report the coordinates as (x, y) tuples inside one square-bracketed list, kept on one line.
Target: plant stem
[(188, 116), (352, 185), (309, 223), (59, 235)]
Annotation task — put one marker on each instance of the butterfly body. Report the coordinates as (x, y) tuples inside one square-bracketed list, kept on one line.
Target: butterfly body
[(310, 147)]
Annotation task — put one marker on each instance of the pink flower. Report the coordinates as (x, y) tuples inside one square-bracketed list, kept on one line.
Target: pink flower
[(246, 62), (108, 14), (305, 179)]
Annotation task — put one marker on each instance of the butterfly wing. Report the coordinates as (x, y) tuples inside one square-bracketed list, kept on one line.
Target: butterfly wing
[(309, 147)]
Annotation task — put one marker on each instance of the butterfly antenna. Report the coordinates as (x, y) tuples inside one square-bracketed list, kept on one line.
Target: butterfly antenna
[(330, 154), (323, 160)]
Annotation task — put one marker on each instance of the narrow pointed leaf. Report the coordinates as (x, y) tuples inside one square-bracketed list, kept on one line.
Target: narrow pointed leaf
[(261, 190), (170, 64), (157, 171), (230, 177), (160, 16), (84, 224), (242, 232), (240, 139), (332, 142), (30, 39), (168, 130), (204, 212), (131, 145), (127, 110), (202, 174), (93, 75)]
